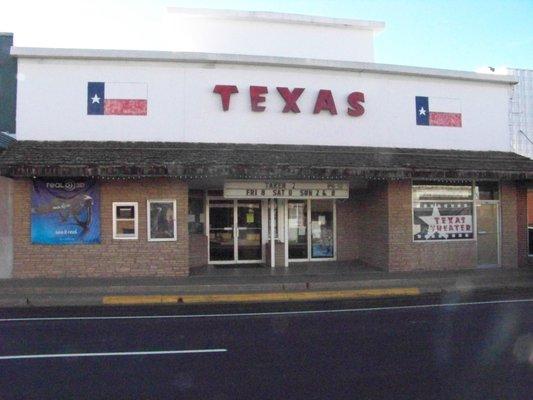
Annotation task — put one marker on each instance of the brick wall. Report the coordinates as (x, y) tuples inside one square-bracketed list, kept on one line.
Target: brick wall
[(6, 236), (110, 258), (371, 207), (529, 207), (197, 250), (509, 224), (522, 223), (348, 225)]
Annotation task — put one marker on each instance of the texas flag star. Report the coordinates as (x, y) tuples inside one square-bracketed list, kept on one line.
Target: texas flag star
[(422, 111), (95, 99)]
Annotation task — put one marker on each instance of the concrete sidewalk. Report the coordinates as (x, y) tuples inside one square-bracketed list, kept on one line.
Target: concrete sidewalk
[(252, 286)]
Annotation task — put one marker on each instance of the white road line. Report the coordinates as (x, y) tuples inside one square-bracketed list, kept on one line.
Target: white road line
[(113, 354), (267, 313)]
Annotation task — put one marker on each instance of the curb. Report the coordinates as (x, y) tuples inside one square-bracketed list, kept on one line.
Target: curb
[(259, 297)]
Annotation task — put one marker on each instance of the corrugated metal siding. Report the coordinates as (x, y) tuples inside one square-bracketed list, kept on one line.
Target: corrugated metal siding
[(5, 140), (8, 85), (521, 113)]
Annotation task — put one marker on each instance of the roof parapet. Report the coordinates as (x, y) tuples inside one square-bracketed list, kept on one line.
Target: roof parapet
[(253, 60)]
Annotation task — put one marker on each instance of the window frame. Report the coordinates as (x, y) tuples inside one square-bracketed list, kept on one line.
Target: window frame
[(472, 201), (174, 220), (135, 205)]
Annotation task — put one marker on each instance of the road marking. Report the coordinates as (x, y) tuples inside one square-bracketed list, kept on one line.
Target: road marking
[(113, 354), (259, 297), (268, 313)]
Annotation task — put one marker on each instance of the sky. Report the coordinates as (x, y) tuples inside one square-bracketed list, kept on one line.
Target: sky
[(450, 34)]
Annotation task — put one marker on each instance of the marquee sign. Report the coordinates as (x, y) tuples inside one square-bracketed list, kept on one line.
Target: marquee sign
[(285, 190), (443, 221)]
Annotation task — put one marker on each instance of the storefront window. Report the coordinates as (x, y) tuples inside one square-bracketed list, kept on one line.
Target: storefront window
[(297, 220), (311, 229), (322, 229), (125, 220), (442, 212), (487, 190), (196, 217), (161, 220)]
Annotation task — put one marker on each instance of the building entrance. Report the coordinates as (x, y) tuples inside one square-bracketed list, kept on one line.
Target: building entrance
[(311, 229), (235, 231), (488, 241)]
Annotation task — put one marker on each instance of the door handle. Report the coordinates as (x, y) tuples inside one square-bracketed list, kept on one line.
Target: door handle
[(481, 232)]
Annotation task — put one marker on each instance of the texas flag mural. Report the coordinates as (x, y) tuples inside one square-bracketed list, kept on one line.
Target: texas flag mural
[(438, 111), (117, 98)]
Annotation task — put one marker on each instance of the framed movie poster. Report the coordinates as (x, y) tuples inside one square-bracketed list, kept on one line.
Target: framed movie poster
[(162, 220), (65, 212)]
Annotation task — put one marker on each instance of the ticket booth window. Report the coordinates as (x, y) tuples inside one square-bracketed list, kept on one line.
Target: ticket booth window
[(125, 221)]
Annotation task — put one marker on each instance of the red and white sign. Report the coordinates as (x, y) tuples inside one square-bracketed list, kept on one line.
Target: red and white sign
[(447, 221), (324, 100)]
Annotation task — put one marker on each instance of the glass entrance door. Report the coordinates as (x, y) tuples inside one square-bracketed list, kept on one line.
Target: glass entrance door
[(235, 228), (221, 230), (311, 229), (249, 230), (487, 234), (297, 224)]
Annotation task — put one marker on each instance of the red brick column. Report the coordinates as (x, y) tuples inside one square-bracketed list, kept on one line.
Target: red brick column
[(521, 223), (510, 213), (373, 219), (197, 250), (348, 229)]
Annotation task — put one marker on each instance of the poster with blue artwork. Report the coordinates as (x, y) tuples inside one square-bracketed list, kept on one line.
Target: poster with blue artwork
[(65, 212)]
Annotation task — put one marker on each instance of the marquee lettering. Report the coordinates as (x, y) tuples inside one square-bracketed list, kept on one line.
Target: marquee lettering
[(354, 100), (290, 98), (225, 91), (324, 99), (256, 97)]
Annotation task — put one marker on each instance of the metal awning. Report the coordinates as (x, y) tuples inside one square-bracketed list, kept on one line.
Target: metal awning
[(197, 161)]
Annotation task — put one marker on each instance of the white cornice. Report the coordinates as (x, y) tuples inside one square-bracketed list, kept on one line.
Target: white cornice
[(238, 59)]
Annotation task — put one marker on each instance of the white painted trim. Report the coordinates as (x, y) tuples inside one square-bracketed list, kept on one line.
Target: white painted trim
[(136, 220), (282, 18), (174, 219), (256, 61)]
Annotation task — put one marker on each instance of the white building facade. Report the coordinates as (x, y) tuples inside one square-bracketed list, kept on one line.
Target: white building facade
[(269, 139)]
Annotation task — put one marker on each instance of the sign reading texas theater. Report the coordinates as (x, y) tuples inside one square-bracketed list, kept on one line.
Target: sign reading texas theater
[(442, 221)]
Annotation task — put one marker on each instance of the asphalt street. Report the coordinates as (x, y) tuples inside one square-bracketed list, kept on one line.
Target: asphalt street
[(427, 348)]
